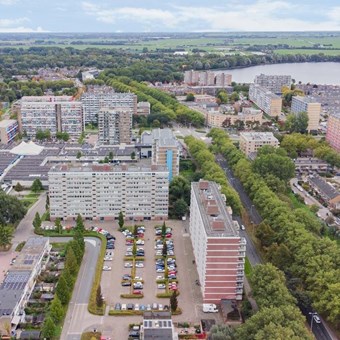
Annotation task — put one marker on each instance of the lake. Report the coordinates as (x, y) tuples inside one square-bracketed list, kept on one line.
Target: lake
[(315, 73)]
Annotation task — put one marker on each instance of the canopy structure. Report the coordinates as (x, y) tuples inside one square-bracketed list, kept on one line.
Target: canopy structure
[(27, 149)]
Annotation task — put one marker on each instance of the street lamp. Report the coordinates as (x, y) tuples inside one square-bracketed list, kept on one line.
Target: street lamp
[(311, 323)]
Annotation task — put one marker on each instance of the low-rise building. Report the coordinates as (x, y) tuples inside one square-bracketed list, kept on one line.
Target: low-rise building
[(250, 142), (218, 248), (327, 192), (311, 107), (333, 131), (18, 285), (101, 192), (308, 164), (158, 325), (266, 100), (8, 130), (143, 109)]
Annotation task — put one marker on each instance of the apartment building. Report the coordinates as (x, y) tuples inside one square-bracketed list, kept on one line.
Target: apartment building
[(114, 126), (18, 284), (207, 78), (266, 100), (250, 142), (98, 97), (143, 108), (165, 149), (8, 130), (52, 113), (333, 131), (311, 107), (223, 79), (100, 192), (273, 83), (218, 248)]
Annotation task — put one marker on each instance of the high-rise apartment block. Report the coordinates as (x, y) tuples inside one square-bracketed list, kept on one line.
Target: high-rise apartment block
[(207, 78), (223, 79), (311, 107), (143, 108), (266, 100), (8, 130), (333, 131), (52, 113), (100, 192), (218, 248), (98, 97), (250, 142), (114, 126), (273, 83), (165, 149)]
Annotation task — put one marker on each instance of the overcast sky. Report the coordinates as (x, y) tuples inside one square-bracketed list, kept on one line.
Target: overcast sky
[(168, 16)]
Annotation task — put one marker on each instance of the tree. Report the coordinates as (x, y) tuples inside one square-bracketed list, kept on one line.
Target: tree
[(56, 310), (221, 332), (18, 187), (265, 234), (121, 220), (11, 209), (6, 235), (71, 261), (80, 224), (190, 97), (222, 96), (134, 249), (133, 155), (37, 185), (37, 222), (111, 155), (156, 123), (297, 122), (135, 231), (79, 154), (165, 249), (49, 328), (173, 301), (58, 226), (99, 297), (180, 208), (63, 291), (47, 204), (163, 229), (79, 238)]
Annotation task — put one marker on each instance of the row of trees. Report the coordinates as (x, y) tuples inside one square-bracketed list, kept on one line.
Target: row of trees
[(289, 237), (212, 171), (11, 209), (73, 256), (179, 197), (163, 107)]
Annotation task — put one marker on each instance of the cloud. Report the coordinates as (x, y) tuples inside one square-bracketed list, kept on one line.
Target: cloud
[(17, 26), (12, 22), (22, 29), (262, 15)]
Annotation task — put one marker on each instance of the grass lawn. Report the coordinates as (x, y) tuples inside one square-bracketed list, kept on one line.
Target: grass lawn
[(90, 336), (307, 51), (299, 205), (31, 198), (248, 269)]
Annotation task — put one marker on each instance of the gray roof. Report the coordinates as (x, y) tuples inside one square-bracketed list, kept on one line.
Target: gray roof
[(164, 136), (158, 334), (324, 187), (30, 335), (12, 289)]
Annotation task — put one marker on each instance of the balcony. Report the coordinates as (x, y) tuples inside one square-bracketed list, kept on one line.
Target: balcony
[(242, 248)]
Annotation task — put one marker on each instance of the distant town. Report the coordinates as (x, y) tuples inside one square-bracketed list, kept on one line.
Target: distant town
[(193, 207)]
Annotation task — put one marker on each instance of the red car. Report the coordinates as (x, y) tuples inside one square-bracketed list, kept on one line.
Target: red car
[(137, 292), (168, 235), (140, 235)]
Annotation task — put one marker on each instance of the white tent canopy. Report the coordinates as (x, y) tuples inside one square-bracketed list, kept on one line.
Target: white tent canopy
[(27, 149)]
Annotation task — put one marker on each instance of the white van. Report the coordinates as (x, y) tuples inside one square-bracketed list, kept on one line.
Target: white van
[(124, 306), (209, 308)]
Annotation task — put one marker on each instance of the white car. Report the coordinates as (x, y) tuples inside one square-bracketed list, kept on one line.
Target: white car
[(160, 277), (160, 307), (107, 258), (243, 227), (138, 278), (136, 306), (139, 265), (140, 242), (316, 318), (128, 265), (106, 268), (161, 286), (160, 270)]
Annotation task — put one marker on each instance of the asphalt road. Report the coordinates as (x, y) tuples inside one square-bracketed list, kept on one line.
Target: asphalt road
[(320, 330)]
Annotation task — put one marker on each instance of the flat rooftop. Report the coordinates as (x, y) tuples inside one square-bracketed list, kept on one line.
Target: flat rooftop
[(258, 136), (216, 219), (164, 136), (7, 122)]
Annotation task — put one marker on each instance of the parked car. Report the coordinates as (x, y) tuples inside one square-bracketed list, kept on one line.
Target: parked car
[(130, 306), (134, 334), (136, 306), (160, 277), (160, 307), (161, 286), (142, 307), (126, 277), (155, 306), (139, 264), (124, 307), (126, 284), (137, 292), (118, 306), (107, 258), (159, 270), (106, 268), (148, 307), (128, 265), (138, 278)]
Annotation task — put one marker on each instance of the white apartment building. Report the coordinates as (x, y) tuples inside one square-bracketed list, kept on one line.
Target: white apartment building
[(98, 97), (165, 149), (250, 142), (273, 83), (114, 126), (18, 284), (223, 79), (266, 100), (311, 107), (218, 248), (143, 108), (207, 78), (100, 192), (52, 113)]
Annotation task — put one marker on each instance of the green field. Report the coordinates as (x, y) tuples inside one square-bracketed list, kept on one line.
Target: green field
[(308, 51)]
